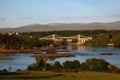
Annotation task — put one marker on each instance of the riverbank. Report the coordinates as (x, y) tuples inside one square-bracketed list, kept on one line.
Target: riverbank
[(35, 50), (48, 75), (17, 51)]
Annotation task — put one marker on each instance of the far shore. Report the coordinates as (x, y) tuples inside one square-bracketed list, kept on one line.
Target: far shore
[(17, 51), (37, 50)]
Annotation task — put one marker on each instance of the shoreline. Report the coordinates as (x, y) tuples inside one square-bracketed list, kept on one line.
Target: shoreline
[(58, 55), (16, 51)]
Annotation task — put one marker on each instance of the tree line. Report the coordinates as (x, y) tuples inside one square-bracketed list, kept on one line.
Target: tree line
[(93, 64), (29, 40), (21, 42), (100, 37)]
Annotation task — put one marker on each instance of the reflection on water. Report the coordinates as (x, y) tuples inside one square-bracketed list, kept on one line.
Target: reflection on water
[(21, 61), (83, 48), (79, 48)]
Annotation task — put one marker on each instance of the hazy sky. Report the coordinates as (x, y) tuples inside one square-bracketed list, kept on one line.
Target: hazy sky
[(15, 13)]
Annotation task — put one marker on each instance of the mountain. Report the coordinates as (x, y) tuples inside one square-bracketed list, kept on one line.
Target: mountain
[(88, 26), (64, 26)]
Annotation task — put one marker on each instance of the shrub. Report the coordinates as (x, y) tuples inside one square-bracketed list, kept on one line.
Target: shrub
[(32, 67), (4, 70), (113, 69)]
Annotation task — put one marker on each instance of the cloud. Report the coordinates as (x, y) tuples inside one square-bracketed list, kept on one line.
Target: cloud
[(74, 17), (89, 17), (113, 16), (49, 19), (27, 18), (2, 19)]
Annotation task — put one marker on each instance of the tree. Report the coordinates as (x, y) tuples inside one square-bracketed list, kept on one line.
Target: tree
[(84, 67), (41, 64), (97, 64), (57, 66), (76, 65), (68, 65), (48, 67), (116, 40)]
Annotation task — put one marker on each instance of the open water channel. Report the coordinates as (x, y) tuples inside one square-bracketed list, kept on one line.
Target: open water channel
[(22, 60)]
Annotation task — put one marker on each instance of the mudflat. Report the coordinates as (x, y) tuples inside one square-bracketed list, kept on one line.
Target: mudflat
[(57, 55)]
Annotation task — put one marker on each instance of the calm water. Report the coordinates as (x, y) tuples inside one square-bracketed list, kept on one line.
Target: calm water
[(21, 61)]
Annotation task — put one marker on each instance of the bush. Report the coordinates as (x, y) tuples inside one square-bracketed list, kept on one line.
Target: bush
[(32, 67), (4, 70), (113, 69)]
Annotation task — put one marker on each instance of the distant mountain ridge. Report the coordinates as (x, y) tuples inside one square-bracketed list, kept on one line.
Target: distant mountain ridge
[(64, 26)]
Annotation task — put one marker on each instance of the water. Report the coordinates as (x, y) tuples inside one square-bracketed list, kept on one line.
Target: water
[(22, 60), (85, 52), (15, 61)]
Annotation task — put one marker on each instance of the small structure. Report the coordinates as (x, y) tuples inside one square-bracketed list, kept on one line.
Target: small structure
[(17, 33), (110, 45), (10, 33)]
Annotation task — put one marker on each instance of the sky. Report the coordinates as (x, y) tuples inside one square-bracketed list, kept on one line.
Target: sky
[(16, 13)]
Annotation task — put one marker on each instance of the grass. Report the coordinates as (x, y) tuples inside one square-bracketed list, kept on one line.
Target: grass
[(43, 75)]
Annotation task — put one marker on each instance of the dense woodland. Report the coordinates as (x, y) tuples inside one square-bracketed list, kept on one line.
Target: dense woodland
[(31, 40)]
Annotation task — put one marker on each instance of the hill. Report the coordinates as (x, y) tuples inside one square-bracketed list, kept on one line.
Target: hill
[(64, 26)]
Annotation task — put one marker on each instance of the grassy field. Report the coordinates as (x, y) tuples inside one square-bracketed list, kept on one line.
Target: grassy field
[(37, 75)]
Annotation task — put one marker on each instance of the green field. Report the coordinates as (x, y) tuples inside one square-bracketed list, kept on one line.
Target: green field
[(40, 75)]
